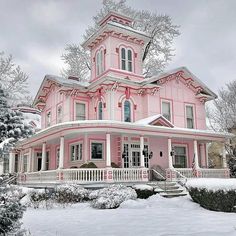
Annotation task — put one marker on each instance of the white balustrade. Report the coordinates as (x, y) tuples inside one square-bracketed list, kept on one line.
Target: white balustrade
[(214, 173), (127, 175)]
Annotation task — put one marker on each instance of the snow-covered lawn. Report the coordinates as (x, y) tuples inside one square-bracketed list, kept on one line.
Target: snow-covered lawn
[(154, 216)]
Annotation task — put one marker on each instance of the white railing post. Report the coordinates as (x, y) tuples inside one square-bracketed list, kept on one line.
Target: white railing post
[(43, 165), (61, 153)]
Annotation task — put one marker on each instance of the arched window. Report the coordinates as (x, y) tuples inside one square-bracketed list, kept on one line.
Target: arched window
[(100, 111), (127, 111), (126, 59), (100, 62)]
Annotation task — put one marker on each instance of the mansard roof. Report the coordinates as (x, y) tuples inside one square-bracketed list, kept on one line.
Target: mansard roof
[(116, 29)]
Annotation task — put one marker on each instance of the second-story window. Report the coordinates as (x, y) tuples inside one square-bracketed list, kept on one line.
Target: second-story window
[(59, 114), (189, 117), (126, 59), (80, 111), (166, 110), (48, 119), (127, 111), (100, 111), (100, 62)]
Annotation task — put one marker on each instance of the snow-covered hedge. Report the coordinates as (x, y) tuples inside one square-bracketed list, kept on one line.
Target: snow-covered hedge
[(111, 197), (214, 194), (143, 191), (63, 194), (70, 193), (11, 210)]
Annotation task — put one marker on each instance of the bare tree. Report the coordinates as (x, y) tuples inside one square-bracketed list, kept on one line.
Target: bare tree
[(156, 54), (13, 80)]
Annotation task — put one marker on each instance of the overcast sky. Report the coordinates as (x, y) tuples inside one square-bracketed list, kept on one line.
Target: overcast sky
[(35, 32)]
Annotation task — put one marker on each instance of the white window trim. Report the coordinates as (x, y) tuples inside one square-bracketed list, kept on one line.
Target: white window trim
[(170, 102), (126, 59), (131, 110), (185, 115), (74, 144), (103, 150), (86, 109)]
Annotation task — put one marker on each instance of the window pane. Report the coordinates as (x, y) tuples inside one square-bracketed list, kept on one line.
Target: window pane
[(127, 111), (189, 117), (59, 114), (80, 111), (123, 53), (180, 159), (123, 65), (166, 110), (97, 150), (72, 153), (130, 66), (100, 111), (129, 55)]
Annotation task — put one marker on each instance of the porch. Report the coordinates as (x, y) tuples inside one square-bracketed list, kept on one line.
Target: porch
[(135, 151)]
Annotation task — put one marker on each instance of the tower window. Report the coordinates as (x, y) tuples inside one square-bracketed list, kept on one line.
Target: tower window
[(126, 59), (100, 111), (127, 111)]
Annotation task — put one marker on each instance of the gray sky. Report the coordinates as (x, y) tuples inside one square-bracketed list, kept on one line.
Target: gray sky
[(35, 32)]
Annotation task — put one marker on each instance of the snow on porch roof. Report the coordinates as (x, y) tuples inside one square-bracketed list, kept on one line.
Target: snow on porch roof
[(154, 120)]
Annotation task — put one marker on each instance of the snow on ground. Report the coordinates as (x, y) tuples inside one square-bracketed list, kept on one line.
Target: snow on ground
[(212, 183), (155, 216)]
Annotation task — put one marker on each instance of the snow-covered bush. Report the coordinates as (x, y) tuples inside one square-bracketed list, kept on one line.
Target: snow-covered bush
[(143, 191), (11, 210), (70, 193), (111, 197), (214, 194)]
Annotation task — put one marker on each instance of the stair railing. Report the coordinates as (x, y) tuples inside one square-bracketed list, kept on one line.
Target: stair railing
[(181, 179)]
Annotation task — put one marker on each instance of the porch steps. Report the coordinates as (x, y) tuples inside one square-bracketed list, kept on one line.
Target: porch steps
[(168, 189)]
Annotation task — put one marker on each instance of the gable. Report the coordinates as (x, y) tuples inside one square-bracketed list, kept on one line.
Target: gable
[(156, 120)]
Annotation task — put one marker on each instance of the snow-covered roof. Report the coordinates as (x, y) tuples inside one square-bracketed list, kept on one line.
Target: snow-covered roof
[(153, 119)]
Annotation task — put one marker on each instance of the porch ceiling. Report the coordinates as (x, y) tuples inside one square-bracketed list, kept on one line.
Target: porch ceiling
[(74, 128)]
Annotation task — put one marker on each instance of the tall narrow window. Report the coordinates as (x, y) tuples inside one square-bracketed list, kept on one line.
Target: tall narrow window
[(80, 111), (59, 114), (127, 111), (189, 117), (126, 59), (76, 152), (47, 160), (100, 111), (57, 157), (25, 157), (100, 62), (48, 119), (166, 110)]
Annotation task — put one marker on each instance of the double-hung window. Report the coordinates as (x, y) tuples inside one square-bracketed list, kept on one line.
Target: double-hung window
[(126, 59), (48, 119), (189, 117), (80, 113), (76, 152), (166, 110)]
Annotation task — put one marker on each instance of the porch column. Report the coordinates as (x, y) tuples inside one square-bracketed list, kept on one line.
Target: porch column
[(32, 161), (29, 160), (224, 156), (196, 153), (170, 158), (43, 165), (61, 154), (141, 151), (11, 162), (21, 162), (108, 150), (86, 155)]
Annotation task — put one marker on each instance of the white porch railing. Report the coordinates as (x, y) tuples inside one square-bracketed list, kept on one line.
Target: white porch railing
[(172, 174), (83, 176)]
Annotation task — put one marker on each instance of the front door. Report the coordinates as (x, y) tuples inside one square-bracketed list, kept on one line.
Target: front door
[(39, 164), (135, 159)]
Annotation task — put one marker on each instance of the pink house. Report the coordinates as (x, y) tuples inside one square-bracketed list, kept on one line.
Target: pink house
[(125, 124)]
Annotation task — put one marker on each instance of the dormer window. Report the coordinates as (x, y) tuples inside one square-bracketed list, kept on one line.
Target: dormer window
[(100, 62), (126, 59)]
